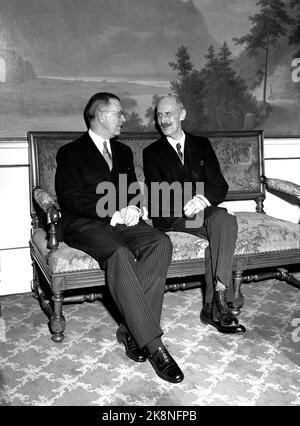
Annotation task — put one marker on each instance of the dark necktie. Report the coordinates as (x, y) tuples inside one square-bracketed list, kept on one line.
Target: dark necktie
[(179, 152), (107, 155)]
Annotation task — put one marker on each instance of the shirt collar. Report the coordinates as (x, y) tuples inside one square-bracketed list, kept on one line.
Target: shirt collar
[(174, 142), (98, 141)]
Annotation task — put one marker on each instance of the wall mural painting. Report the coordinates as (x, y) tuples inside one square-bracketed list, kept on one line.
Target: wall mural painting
[(234, 63)]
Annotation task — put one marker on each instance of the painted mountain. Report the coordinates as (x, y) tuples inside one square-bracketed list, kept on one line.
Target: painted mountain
[(131, 38)]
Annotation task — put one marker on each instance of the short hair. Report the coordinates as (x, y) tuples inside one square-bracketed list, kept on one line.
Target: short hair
[(95, 103), (177, 99)]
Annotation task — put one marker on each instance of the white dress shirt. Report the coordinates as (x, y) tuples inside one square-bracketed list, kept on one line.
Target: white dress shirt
[(181, 140), (174, 142), (98, 141)]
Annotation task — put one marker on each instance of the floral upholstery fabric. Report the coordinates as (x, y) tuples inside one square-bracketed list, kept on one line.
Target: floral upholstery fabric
[(258, 233), (187, 246), (46, 153), (65, 258), (44, 199), (239, 158)]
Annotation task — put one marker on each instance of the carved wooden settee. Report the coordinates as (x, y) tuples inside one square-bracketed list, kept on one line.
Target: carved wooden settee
[(63, 274)]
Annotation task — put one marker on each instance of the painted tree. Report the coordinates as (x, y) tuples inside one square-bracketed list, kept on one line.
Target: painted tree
[(150, 113), (133, 123), (189, 88), (183, 64), (226, 95), (294, 37), (267, 27), (210, 74)]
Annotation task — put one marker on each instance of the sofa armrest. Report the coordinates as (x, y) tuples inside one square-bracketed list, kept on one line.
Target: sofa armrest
[(44, 199), (50, 207), (283, 186)]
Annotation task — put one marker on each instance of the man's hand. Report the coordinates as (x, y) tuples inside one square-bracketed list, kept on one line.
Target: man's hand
[(130, 215), (194, 206)]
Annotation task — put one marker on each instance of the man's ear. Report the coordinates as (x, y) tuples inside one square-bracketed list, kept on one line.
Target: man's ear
[(99, 117), (182, 114)]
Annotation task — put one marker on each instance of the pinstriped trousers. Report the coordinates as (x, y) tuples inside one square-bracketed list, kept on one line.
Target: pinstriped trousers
[(136, 260)]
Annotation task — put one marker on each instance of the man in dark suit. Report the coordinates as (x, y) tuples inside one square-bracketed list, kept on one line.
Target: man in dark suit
[(179, 157), (97, 220)]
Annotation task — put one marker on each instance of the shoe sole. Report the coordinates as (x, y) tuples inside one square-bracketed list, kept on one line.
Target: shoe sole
[(225, 330), (164, 378)]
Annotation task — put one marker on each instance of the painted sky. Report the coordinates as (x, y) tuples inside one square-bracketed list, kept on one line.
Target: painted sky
[(226, 17), (118, 37)]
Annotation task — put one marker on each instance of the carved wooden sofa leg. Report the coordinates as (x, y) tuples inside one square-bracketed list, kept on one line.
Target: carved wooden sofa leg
[(35, 282), (57, 321), (238, 298), (38, 293)]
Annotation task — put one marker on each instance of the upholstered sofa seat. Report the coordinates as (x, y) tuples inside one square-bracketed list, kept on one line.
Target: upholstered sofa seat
[(258, 233)]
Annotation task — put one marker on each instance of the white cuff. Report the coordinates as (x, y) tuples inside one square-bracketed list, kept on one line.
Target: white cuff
[(203, 199), (143, 213), (139, 210)]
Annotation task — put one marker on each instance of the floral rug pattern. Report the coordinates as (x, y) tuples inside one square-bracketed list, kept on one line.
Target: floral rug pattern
[(89, 368)]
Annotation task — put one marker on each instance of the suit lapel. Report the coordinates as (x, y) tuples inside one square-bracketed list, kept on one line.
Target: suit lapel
[(168, 153), (95, 155), (94, 151), (115, 157), (191, 154)]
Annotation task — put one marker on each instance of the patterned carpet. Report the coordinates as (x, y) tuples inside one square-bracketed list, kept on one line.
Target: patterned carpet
[(261, 367)]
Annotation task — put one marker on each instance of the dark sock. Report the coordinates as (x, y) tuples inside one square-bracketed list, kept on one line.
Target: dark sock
[(154, 344)]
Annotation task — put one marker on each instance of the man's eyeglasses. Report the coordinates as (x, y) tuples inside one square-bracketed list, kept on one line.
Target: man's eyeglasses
[(117, 113)]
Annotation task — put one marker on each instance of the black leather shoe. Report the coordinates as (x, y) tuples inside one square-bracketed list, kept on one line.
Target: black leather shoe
[(131, 348), (165, 366), (206, 314), (207, 317), (224, 316)]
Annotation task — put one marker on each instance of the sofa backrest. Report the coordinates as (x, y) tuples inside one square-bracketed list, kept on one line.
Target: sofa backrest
[(240, 155)]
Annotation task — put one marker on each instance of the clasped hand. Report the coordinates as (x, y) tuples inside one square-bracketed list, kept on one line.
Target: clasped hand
[(194, 206), (128, 216)]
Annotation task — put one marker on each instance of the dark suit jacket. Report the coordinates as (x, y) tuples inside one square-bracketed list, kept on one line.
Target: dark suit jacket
[(80, 168), (162, 164)]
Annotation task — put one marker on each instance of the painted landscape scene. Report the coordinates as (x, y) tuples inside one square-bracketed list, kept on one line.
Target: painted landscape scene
[(230, 71)]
